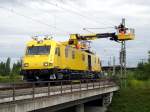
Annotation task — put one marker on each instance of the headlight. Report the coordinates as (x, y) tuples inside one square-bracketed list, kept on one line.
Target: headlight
[(26, 64), (45, 63)]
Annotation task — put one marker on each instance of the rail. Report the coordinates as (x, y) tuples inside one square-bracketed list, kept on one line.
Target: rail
[(32, 90)]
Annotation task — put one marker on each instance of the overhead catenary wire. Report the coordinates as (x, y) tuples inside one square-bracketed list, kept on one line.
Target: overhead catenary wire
[(71, 11), (20, 3), (54, 26), (68, 10), (47, 13), (78, 10), (32, 19), (39, 21), (101, 28), (88, 30)]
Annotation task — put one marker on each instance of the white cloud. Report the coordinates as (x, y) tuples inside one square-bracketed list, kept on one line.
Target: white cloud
[(44, 18)]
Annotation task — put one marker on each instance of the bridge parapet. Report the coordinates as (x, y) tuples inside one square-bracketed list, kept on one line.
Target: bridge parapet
[(35, 97)]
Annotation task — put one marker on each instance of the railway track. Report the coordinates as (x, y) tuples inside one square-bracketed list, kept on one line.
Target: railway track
[(7, 86)]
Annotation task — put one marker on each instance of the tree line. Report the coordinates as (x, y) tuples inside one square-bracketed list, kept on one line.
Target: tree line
[(7, 70), (143, 69)]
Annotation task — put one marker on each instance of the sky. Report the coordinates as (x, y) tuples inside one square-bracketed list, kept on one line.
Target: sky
[(22, 19)]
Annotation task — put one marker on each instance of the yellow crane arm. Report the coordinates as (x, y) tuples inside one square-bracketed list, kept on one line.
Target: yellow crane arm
[(111, 36), (74, 38), (120, 36)]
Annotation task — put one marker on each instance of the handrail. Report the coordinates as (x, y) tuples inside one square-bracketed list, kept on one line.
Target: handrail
[(56, 87)]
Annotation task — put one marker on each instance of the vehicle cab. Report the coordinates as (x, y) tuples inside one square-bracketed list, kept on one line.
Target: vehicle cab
[(39, 54)]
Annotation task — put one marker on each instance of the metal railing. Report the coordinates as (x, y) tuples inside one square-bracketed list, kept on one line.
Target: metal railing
[(28, 90)]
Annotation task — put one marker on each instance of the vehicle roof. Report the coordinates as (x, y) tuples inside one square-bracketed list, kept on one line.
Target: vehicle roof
[(41, 42)]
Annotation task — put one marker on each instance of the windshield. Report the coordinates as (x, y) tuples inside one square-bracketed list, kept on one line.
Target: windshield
[(38, 50)]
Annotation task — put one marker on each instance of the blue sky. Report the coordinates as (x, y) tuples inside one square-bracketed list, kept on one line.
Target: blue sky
[(22, 19)]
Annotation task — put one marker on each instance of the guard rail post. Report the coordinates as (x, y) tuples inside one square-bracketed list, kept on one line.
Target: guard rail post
[(33, 90), (13, 91)]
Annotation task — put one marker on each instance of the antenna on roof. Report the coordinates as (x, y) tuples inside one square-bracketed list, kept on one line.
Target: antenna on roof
[(48, 37), (34, 38)]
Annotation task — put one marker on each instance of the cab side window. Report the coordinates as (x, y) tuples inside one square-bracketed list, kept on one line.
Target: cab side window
[(57, 51), (83, 57), (66, 52), (98, 61), (73, 54)]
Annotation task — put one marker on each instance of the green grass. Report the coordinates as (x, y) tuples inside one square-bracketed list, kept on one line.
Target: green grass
[(7, 79), (134, 98)]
